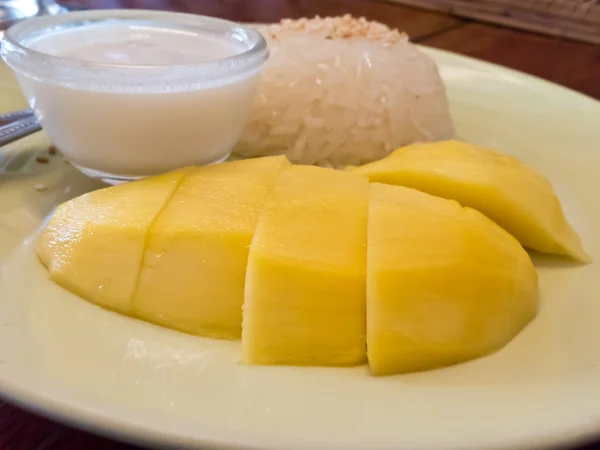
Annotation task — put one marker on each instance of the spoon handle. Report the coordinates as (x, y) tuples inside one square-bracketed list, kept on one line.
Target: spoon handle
[(9, 117), (18, 129)]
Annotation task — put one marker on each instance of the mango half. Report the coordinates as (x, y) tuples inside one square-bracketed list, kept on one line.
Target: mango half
[(503, 188), (444, 283)]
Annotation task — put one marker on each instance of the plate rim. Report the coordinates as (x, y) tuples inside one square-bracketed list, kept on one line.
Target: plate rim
[(547, 84), (134, 432)]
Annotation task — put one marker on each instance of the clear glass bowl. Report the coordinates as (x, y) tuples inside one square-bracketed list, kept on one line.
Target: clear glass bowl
[(124, 121)]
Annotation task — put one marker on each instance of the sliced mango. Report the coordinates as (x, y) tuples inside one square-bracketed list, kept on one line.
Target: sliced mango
[(305, 285), (444, 283), (507, 191), (94, 244), (195, 262)]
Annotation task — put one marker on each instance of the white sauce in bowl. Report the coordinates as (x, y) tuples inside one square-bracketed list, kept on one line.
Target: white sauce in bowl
[(127, 98), (134, 44)]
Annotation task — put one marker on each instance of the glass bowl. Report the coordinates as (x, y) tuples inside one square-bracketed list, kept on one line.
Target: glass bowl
[(120, 121)]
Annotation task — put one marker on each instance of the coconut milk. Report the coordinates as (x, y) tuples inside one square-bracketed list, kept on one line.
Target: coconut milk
[(138, 131)]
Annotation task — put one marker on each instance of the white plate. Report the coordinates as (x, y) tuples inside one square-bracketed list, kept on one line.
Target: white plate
[(78, 363)]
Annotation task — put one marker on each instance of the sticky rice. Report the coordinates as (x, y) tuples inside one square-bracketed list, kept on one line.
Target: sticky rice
[(343, 91)]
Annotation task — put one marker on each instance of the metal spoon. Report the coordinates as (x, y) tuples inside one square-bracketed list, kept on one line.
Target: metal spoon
[(16, 125)]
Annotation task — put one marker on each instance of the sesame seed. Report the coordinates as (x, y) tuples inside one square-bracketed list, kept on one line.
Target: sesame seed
[(344, 27), (42, 159)]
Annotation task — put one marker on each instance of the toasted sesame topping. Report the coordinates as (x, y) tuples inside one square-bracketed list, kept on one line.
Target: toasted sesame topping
[(42, 159), (40, 187), (341, 27)]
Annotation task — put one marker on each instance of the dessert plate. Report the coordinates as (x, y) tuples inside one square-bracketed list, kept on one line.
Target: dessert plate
[(72, 361)]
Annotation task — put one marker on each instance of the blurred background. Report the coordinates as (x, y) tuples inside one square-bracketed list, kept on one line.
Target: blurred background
[(574, 19)]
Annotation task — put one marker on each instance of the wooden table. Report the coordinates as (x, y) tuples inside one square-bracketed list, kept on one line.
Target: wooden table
[(572, 64)]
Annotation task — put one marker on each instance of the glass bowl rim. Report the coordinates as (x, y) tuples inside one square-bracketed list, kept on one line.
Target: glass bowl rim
[(22, 58)]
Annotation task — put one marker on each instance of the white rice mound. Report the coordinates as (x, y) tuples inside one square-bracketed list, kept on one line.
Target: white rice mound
[(343, 91)]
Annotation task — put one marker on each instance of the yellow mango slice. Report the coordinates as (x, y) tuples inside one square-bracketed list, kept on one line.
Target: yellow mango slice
[(94, 244), (305, 285), (507, 191), (444, 283), (195, 262)]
